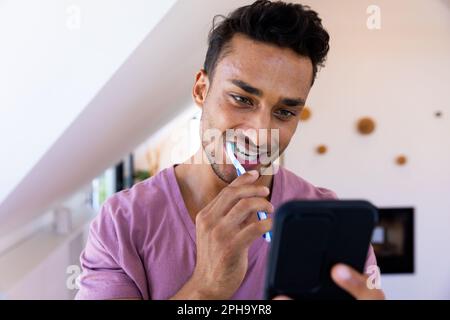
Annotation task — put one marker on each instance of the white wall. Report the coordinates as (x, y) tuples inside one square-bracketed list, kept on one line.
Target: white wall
[(399, 75)]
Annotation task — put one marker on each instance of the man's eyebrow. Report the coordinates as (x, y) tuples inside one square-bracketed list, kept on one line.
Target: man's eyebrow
[(247, 88), (299, 102), (289, 102)]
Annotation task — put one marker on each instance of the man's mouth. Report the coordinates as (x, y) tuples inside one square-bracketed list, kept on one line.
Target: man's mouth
[(248, 157), (245, 154)]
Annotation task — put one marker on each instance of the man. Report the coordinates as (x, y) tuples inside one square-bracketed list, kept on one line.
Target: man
[(191, 231)]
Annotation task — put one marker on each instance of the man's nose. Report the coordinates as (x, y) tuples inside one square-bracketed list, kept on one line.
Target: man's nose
[(257, 130)]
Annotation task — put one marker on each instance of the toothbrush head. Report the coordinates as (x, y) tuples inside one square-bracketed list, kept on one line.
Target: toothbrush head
[(230, 152)]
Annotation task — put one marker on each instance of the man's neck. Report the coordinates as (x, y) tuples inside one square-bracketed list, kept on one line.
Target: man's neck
[(200, 185)]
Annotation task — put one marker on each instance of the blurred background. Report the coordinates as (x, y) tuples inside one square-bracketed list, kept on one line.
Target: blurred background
[(96, 96)]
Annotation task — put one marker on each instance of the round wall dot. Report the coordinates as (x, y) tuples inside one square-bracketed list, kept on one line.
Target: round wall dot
[(401, 160), (438, 114), (366, 125), (321, 149), (305, 114)]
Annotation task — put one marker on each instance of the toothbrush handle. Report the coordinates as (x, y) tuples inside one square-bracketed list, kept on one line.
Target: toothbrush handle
[(261, 216), (268, 235)]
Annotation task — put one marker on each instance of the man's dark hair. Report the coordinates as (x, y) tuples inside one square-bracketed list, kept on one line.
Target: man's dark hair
[(286, 25)]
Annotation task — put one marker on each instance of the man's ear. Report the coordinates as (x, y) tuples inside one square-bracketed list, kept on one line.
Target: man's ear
[(201, 87)]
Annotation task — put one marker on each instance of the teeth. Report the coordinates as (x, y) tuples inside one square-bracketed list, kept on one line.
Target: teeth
[(248, 156)]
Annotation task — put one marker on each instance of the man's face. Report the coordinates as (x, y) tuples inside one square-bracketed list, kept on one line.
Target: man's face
[(255, 86)]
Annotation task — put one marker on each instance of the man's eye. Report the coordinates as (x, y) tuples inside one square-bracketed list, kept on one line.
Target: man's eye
[(241, 99), (284, 114)]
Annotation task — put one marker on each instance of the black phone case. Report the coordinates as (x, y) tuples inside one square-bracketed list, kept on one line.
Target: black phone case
[(309, 237)]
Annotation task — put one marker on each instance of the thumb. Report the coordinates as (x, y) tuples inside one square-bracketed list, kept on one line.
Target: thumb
[(350, 280)]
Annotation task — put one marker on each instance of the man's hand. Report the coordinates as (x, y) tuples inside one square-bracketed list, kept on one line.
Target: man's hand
[(224, 233), (353, 282)]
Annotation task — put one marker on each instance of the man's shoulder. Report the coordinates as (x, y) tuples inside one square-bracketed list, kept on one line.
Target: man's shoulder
[(295, 186), (136, 212)]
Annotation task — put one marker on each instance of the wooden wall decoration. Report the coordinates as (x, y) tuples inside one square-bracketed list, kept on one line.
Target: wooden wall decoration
[(321, 149), (366, 125), (305, 114), (401, 160)]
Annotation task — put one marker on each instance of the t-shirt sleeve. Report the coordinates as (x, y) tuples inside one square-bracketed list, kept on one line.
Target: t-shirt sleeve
[(326, 194), (103, 275)]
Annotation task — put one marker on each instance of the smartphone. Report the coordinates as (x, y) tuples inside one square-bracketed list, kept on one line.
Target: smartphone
[(309, 238)]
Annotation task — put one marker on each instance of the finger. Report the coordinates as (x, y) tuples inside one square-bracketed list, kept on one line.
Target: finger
[(230, 196), (244, 208), (239, 216), (247, 178), (244, 238), (354, 283)]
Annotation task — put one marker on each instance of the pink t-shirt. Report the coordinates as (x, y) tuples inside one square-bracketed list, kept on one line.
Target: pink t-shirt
[(142, 243)]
